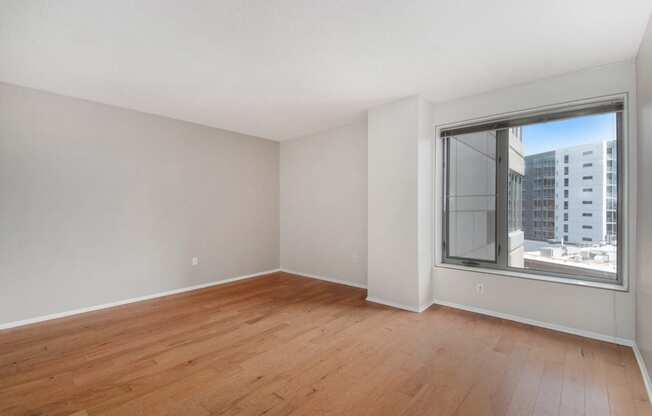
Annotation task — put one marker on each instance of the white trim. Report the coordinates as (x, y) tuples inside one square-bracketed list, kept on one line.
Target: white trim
[(644, 372), (361, 286), (533, 322), (393, 304), (15, 324), (326, 279), (426, 306)]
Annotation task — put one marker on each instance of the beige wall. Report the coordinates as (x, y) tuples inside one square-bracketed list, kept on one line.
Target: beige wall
[(644, 246), (100, 204), (324, 204)]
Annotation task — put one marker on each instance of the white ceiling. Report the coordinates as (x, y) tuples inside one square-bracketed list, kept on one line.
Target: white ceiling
[(281, 69)]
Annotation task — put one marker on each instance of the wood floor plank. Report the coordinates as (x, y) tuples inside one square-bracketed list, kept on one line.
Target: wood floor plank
[(288, 345)]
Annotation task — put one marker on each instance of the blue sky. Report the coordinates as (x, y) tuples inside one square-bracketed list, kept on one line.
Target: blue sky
[(544, 137)]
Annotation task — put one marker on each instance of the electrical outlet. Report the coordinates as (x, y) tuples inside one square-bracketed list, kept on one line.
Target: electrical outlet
[(479, 288), (195, 261)]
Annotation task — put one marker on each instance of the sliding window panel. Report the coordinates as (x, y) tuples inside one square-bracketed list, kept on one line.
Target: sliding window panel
[(471, 197)]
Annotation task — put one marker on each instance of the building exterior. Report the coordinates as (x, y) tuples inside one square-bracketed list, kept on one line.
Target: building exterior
[(570, 194), (515, 198), (585, 211), (539, 197)]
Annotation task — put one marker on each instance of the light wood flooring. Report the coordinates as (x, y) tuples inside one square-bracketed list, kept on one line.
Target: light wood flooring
[(288, 345)]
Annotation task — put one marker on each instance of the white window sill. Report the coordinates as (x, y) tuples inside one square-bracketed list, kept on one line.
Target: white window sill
[(508, 273)]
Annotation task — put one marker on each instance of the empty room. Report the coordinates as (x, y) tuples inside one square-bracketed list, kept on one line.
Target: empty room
[(298, 207)]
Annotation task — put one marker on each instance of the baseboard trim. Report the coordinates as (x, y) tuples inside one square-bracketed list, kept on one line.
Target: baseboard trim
[(644, 372), (534, 322), (37, 319), (393, 304), (326, 279)]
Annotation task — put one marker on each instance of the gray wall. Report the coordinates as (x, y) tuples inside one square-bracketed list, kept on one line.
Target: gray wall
[(324, 204), (100, 204), (644, 246)]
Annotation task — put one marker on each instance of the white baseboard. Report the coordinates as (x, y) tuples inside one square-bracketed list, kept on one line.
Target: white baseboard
[(393, 304), (326, 279), (533, 322), (644, 372), (14, 324)]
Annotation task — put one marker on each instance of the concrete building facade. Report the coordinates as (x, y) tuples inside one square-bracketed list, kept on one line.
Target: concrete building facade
[(539, 197), (570, 194), (586, 192)]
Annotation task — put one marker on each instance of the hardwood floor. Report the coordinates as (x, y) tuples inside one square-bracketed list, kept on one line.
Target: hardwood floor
[(282, 344)]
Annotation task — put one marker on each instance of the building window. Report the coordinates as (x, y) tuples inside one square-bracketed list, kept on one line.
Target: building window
[(515, 201), (500, 207), (587, 239)]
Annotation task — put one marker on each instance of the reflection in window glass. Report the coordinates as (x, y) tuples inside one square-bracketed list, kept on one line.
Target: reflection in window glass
[(472, 196)]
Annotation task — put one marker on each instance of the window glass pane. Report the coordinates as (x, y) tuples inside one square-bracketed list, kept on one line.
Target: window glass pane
[(576, 236), (472, 196)]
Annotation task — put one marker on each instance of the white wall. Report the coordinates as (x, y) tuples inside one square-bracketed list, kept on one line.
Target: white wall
[(604, 312), (100, 204), (400, 204), (576, 196), (324, 204), (644, 246)]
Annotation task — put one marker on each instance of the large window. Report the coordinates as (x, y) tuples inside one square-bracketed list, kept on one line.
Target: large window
[(502, 181)]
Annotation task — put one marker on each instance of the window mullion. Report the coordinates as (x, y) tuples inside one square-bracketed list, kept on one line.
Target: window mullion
[(502, 175)]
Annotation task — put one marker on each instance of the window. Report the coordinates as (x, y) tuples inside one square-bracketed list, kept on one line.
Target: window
[(500, 209)]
